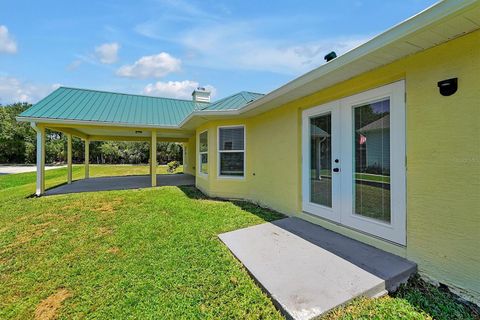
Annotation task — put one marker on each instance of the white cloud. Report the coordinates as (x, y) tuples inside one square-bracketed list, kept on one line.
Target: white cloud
[(14, 90), (175, 89), (254, 53), (74, 65), (7, 43), (280, 44), (155, 66), (107, 53)]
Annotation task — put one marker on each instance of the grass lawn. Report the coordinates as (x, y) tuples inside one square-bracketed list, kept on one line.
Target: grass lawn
[(372, 177), (142, 254)]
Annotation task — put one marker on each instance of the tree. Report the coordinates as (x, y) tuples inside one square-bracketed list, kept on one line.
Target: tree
[(15, 136), (18, 145)]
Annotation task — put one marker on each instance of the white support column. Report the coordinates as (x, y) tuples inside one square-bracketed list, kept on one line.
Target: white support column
[(150, 162), (87, 158), (153, 158), (40, 159), (184, 157), (69, 158)]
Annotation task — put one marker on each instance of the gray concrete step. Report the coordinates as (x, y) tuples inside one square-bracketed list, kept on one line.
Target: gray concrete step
[(308, 270)]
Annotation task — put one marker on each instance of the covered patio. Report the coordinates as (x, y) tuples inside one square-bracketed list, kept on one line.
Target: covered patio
[(121, 183), (105, 116)]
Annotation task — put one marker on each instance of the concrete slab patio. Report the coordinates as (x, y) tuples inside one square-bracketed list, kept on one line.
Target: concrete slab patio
[(308, 270), (121, 183)]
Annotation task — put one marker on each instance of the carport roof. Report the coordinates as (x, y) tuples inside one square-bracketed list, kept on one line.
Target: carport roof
[(83, 105)]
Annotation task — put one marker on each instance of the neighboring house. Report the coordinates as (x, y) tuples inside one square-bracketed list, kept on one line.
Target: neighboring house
[(267, 149), (375, 137)]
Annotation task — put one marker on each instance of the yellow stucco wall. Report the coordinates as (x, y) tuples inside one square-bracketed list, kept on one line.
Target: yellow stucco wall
[(190, 154), (443, 160)]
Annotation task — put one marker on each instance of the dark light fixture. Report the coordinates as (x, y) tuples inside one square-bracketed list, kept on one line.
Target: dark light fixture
[(332, 55), (138, 132), (448, 87)]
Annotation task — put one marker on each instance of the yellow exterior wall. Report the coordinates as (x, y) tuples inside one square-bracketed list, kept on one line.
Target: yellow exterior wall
[(190, 154), (443, 160), (443, 180)]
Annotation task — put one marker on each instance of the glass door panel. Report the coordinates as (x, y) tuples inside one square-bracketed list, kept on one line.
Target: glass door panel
[(373, 153), (321, 167), (321, 160), (371, 176)]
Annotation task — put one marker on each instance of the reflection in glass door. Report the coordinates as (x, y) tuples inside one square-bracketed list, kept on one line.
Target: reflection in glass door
[(321, 160), (321, 177), (371, 175)]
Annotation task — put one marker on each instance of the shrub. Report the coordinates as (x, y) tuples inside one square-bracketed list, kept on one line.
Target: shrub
[(172, 166)]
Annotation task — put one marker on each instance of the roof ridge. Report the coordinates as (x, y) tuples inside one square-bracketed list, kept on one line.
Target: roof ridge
[(218, 101), (253, 92), (236, 94), (126, 94)]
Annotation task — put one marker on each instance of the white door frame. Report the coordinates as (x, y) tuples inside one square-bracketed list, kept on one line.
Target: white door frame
[(308, 206), (342, 203)]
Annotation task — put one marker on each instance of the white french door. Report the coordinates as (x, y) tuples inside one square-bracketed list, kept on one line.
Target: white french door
[(354, 162)]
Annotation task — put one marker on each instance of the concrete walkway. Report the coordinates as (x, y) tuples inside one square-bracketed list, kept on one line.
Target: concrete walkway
[(6, 169), (121, 183), (308, 270)]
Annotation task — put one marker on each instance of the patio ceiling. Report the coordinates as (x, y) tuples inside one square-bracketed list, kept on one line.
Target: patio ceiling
[(119, 133)]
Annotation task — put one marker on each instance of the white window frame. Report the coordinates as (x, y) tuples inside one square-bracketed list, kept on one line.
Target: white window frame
[(220, 176), (200, 173)]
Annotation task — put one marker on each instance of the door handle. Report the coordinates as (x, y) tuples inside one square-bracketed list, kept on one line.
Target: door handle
[(336, 169)]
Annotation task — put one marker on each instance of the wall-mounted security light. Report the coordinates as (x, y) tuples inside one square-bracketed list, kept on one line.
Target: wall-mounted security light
[(448, 87)]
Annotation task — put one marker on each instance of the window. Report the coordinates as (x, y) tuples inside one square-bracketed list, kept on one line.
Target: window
[(231, 151), (203, 152)]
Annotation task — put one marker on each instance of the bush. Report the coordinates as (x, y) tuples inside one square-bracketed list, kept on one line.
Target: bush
[(377, 169), (172, 166)]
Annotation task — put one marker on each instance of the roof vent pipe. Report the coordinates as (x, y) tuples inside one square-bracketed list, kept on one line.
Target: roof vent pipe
[(332, 55), (201, 95)]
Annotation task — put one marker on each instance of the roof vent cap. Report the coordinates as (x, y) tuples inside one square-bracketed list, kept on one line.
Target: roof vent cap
[(332, 55), (201, 95)]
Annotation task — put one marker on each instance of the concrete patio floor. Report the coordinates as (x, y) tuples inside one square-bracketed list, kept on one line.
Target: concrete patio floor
[(308, 270), (121, 183)]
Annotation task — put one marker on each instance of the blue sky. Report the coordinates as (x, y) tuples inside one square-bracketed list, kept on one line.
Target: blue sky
[(168, 47)]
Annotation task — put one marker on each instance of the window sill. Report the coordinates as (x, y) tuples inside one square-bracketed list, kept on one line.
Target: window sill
[(241, 178)]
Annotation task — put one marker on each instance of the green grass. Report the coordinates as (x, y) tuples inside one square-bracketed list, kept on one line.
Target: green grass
[(96, 170), (140, 254), (359, 176), (439, 303), (414, 300), (372, 177)]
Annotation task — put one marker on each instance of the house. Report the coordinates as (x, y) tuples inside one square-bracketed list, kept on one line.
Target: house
[(381, 144), (375, 139)]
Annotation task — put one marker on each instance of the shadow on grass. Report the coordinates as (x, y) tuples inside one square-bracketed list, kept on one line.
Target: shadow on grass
[(265, 214), (438, 302), (34, 195)]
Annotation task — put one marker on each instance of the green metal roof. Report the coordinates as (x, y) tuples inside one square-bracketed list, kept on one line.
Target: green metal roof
[(234, 102), (99, 106)]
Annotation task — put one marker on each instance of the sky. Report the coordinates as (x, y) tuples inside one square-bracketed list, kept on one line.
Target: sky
[(168, 48)]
